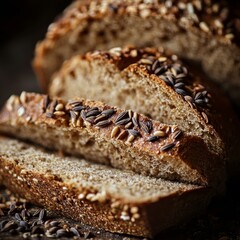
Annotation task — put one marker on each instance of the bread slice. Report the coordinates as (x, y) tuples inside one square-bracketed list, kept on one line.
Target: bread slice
[(104, 134), (154, 82), (201, 31), (112, 199)]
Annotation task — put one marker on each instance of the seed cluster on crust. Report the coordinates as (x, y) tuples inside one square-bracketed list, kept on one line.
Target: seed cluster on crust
[(211, 17), (127, 126), (169, 69)]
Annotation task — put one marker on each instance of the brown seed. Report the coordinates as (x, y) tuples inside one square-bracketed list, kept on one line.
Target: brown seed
[(79, 122), (59, 107), (159, 133), (145, 61), (135, 120), (59, 113), (204, 27), (115, 131), (104, 123), (78, 108), (167, 147), (46, 101), (177, 134), (130, 139), (128, 125), (205, 117), (23, 97), (146, 126), (122, 135)]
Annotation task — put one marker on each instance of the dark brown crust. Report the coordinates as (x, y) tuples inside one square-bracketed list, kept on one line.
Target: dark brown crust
[(50, 192), (186, 150)]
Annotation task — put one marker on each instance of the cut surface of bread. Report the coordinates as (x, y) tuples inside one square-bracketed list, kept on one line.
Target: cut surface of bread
[(119, 138), (201, 31), (112, 199), (156, 83)]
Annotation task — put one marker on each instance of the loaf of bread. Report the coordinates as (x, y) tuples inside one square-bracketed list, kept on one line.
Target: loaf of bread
[(157, 84), (201, 31), (104, 134), (116, 200)]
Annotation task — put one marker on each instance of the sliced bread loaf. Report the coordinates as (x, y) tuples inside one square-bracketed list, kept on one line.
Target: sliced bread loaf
[(104, 134), (202, 31), (157, 84), (117, 201)]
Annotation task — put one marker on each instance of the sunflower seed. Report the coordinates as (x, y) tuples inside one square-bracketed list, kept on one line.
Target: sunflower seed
[(2, 224), (147, 126), (8, 226), (37, 230), (41, 214), (74, 231), (160, 70), (155, 65), (133, 132), (61, 233), (135, 120), (52, 230), (123, 121), (103, 123), (54, 223), (108, 112), (177, 134), (83, 115), (78, 108), (100, 118), (93, 112), (36, 212), (167, 147), (152, 138), (23, 224), (179, 85), (115, 131), (181, 91), (205, 117), (200, 102), (121, 116), (17, 217)]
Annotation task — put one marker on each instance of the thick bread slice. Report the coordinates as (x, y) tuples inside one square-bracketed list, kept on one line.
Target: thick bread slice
[(202, 31), (115, 200), (157, 84), (104, 134)]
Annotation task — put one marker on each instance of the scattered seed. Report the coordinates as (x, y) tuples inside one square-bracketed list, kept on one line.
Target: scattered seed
[(93, 112), (177, 134), (122, 116), (122, 135), (83, 115), (74, 231), (78, 108), (123, 121), (59, 107), (152, 138), (204, 27), (46, 102), (49, 115), (23, 97), (17, 216), (167, 147), (115, 131), (133, 132), (146, 126), (59, 113), (54, 223), (100, 118), (159, 133), (52, 230), (41, 214), (8, 226), (108, 112), (181, 91), (205, 117), (61, 233), (130, 138), (104, 123)]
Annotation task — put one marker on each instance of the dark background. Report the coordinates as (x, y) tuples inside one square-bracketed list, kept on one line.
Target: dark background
[(22, 24)]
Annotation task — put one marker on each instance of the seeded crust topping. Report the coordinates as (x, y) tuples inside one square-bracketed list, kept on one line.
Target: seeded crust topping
[(209, 16), (168, 68), (126, 126)]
